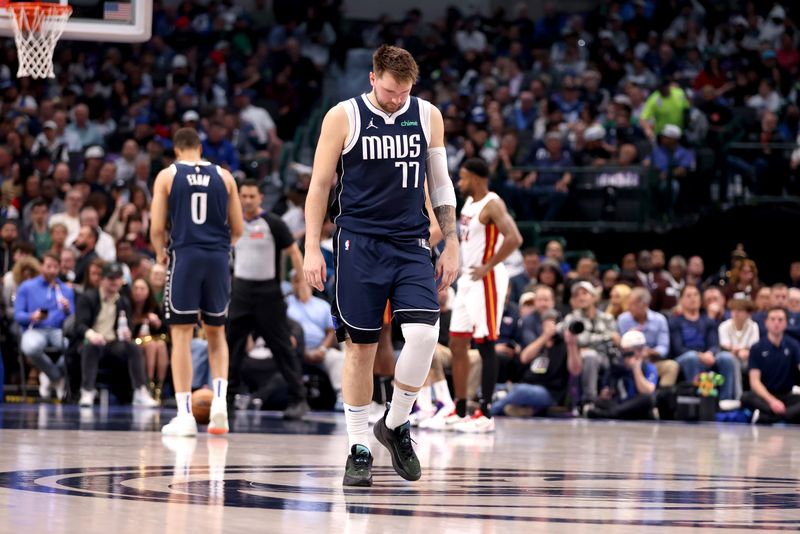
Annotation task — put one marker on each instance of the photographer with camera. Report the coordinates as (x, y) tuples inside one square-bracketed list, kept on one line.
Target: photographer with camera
[(630, 383), (549, 361), (597, 337)]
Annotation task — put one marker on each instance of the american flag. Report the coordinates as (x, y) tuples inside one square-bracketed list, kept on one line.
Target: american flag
[(117, 11)]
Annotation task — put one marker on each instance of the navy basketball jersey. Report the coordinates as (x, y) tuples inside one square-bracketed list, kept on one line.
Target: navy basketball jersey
[(198, 207), (381, 171)]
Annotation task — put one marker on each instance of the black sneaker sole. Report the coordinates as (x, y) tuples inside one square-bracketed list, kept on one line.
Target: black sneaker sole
[(357, 482), (376, 429)]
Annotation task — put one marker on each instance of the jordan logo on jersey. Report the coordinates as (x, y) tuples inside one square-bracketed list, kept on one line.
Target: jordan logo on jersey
[(371, 124)]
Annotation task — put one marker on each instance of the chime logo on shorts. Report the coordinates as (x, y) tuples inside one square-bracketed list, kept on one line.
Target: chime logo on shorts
[(524, 496)]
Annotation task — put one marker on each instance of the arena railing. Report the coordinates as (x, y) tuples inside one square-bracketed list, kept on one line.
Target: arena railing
[(610, 197), (754, 173)]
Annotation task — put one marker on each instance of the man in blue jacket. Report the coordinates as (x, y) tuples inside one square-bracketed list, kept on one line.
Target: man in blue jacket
[(774, 361), (694, 343), (42, 305)]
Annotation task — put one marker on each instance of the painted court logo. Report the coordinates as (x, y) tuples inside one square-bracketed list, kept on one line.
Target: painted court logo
[(610, 500)]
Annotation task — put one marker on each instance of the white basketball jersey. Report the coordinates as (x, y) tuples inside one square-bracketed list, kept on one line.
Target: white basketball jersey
[(479, 241)]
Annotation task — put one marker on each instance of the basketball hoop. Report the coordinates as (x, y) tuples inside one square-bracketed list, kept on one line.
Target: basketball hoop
[(37, 28)]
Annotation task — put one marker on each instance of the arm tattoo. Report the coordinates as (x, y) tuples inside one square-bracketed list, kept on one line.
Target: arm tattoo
[(446, 217)]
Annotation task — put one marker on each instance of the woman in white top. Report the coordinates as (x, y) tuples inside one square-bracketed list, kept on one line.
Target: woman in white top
[(738, 334)]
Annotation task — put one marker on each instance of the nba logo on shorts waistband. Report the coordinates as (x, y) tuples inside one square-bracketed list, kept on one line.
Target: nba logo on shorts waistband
[(347, 245)]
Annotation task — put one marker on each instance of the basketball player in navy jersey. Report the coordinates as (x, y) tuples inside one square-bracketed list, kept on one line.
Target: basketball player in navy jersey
[(205, 220), (383, 146)]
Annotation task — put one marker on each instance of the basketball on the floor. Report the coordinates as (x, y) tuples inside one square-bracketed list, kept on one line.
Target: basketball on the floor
[(201, 405)]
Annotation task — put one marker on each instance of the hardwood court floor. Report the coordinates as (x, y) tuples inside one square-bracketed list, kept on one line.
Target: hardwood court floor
[(66, 470)]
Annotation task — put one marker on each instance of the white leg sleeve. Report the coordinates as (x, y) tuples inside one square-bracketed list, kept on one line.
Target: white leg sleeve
[(415, 358)]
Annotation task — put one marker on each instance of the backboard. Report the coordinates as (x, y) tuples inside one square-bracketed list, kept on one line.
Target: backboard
[(124, 21)]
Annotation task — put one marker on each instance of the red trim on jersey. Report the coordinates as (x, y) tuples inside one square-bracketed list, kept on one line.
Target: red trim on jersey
[(489, 285), (490, 295), (460, 334), (491, 241)]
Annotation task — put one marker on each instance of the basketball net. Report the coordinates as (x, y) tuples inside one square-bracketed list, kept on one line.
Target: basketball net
[(37, 28)]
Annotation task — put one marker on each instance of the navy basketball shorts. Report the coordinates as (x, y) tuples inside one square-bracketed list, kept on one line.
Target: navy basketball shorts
[(198, 282), (370, 271)]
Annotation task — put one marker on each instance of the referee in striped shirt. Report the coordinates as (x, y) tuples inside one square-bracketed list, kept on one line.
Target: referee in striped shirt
[(257, 305)]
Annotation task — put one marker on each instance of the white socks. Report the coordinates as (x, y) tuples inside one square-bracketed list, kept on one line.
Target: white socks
[(357, 419), (424, 399), (184, 401), (442, 392), (220, 389), (402, 402)]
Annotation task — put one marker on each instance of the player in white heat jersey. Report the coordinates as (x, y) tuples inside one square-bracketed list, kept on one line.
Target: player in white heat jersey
[(488, 236)]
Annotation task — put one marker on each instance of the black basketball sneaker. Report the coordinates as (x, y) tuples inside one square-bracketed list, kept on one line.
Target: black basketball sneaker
[(400, 445), (358, 470)]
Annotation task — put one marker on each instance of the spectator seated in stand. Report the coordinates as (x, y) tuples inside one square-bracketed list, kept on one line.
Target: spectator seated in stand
[(654, 326), (101, 320), (774, 361), (738, 334), (714, 304), (694, 344), (314, 316), (149, 332), (41, 307)]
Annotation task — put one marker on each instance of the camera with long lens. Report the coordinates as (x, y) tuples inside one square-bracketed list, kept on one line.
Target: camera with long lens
[(576, 327)]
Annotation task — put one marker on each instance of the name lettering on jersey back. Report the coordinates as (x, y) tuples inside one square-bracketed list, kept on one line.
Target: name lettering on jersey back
[(391, 146), (198, 179)]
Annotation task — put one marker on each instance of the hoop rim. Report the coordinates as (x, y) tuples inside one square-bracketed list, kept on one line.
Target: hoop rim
[(16, 7), (31, 7)]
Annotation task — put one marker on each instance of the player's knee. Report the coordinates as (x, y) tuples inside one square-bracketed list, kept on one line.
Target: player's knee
[(415, 358), (421, 336), (214, 332)]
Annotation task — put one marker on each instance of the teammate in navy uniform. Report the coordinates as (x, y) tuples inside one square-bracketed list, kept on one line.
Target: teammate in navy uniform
[(205, 220), (382, 146)]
